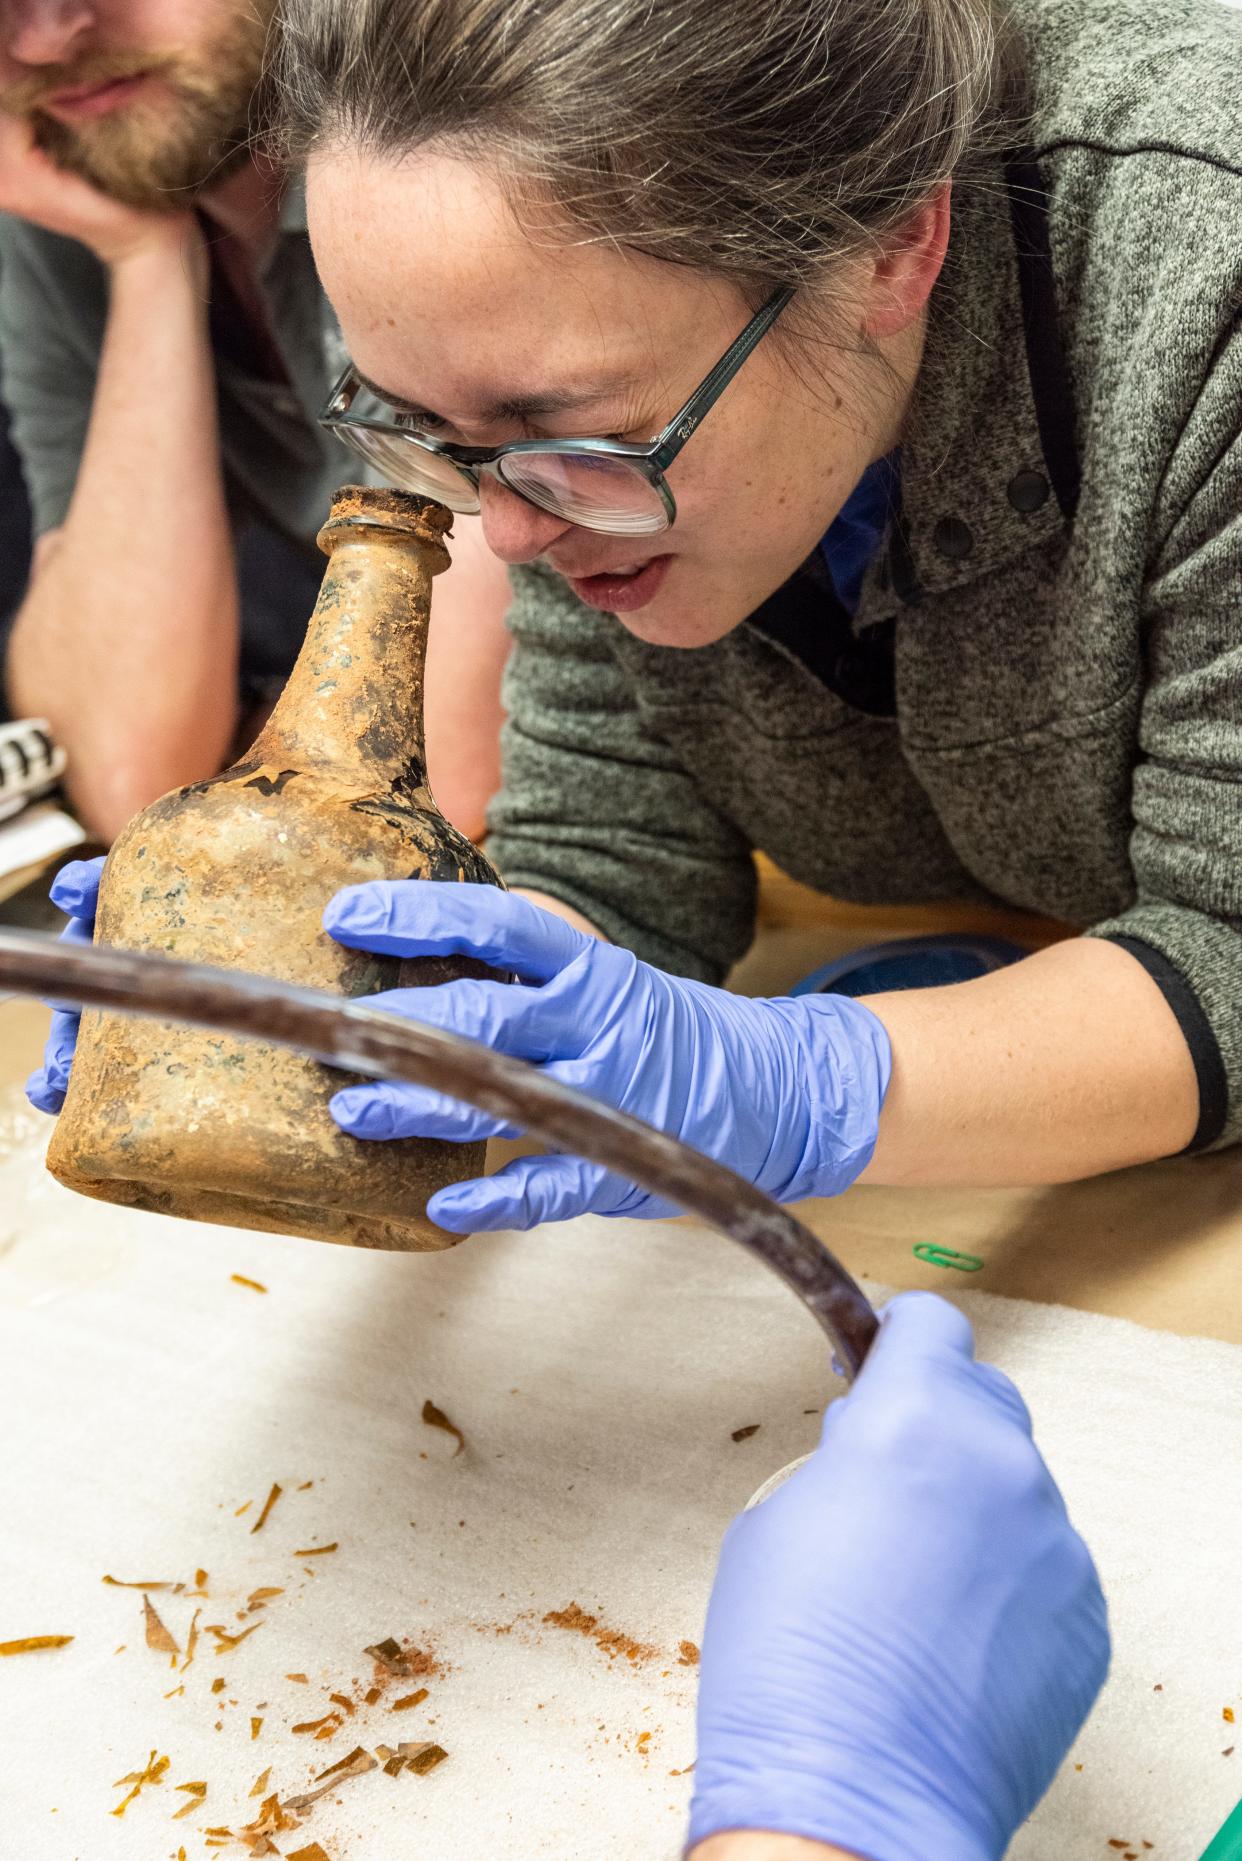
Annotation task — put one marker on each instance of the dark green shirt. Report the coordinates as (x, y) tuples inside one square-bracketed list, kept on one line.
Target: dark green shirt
[(1039, 699)]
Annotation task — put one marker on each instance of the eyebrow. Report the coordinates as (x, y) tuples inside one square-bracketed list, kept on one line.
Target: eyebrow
[(517, 406)]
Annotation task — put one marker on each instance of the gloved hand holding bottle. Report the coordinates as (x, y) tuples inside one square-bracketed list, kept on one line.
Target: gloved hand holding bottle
[(75, 891), (787, 1092), (904, 1639)]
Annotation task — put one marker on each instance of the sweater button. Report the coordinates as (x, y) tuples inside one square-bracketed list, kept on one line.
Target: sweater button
[(1027, 491), (953, 538)]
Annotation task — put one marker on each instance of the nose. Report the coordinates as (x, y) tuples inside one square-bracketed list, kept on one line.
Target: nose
[(44, 32), (513, 529)]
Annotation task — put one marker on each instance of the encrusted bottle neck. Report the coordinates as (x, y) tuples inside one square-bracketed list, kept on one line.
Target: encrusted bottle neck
[(353, 706)]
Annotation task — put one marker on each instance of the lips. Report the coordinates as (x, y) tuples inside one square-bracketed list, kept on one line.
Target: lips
[(622, 590), (76, 102)]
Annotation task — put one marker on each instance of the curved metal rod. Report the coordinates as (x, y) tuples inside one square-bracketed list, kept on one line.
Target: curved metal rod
[(347, 1033)]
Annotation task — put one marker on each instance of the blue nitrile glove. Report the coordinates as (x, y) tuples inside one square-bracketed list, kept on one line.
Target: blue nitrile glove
[(75, 891), (904, 1639), (788, 1093)]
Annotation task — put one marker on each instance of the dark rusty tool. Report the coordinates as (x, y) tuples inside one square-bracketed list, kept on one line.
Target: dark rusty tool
[(365, 1040)]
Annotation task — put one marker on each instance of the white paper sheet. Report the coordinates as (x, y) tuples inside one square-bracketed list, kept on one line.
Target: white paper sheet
[(597, 1371)]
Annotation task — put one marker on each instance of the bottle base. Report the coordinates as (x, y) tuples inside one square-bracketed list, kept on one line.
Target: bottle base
[(229, 1210)]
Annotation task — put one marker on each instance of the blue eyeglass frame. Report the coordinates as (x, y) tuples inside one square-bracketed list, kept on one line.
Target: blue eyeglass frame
[(650, 461)]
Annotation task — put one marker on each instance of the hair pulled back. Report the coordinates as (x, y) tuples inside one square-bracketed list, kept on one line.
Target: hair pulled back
[(761, 140)]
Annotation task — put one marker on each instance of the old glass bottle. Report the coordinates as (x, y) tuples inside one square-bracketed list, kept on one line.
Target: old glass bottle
[(236, 871)]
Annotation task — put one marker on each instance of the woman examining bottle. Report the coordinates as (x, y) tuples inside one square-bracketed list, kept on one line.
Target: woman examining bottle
[(930, 588)]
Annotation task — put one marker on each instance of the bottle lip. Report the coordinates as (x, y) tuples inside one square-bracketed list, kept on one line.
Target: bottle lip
[(382, 507)]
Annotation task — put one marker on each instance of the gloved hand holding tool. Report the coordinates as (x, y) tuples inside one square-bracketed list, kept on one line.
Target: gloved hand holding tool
[(904, 1638)]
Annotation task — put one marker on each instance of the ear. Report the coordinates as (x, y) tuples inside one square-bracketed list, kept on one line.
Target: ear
[(908, 266)]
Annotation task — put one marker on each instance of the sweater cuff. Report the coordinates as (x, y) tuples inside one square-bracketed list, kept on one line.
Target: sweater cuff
[(1197, 1030)]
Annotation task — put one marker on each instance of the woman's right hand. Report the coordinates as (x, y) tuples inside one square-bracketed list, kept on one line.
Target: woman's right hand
[(75, 891)]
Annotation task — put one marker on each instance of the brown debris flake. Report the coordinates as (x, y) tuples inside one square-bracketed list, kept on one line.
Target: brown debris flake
[(410, 1699), (357, 1761), (33, 1644), (316, 1726), (256, 1726), (300, 1678), (195, 1793), (312, 1852), (257, 1598), (239, 1279), (347, 1705), (392, 1658), (317, 1550), (388, 1653), (158, 1636), (744, 1434), (226, 1640), (422, 1758), (191, 1640), (687, 1654), (371, 1695), (261, 1782), (355, 1765), (268, 1503), (273, 1819), (153, 1772), (436, 1418), (118, 1583), (1226, 1714)]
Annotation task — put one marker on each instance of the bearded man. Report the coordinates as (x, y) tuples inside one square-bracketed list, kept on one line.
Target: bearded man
[(166, 348)]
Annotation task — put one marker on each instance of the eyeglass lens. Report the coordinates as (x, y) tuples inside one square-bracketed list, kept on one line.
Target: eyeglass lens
[(412, 468), (595, 491), (591, 489)]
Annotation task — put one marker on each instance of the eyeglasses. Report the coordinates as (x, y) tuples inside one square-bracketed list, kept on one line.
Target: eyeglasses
[(607, 485)]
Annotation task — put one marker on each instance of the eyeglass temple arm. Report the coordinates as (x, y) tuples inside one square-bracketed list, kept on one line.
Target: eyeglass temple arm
[(709, 391)]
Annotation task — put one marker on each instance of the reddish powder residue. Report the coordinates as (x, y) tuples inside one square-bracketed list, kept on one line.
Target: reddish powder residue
[(421, 1661), (611, 1641)]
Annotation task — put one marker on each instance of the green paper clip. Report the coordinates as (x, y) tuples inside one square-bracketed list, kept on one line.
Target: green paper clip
[(937, 1256)]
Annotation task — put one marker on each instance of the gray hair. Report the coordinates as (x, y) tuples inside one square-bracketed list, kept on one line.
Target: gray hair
[(759, 140)]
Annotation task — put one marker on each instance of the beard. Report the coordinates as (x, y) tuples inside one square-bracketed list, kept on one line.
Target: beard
[(159, 152)]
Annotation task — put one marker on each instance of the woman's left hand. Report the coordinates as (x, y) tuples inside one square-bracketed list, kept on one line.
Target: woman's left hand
[(787, 1092)]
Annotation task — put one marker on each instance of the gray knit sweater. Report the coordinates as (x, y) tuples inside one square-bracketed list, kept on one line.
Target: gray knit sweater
[(1039, 699)]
